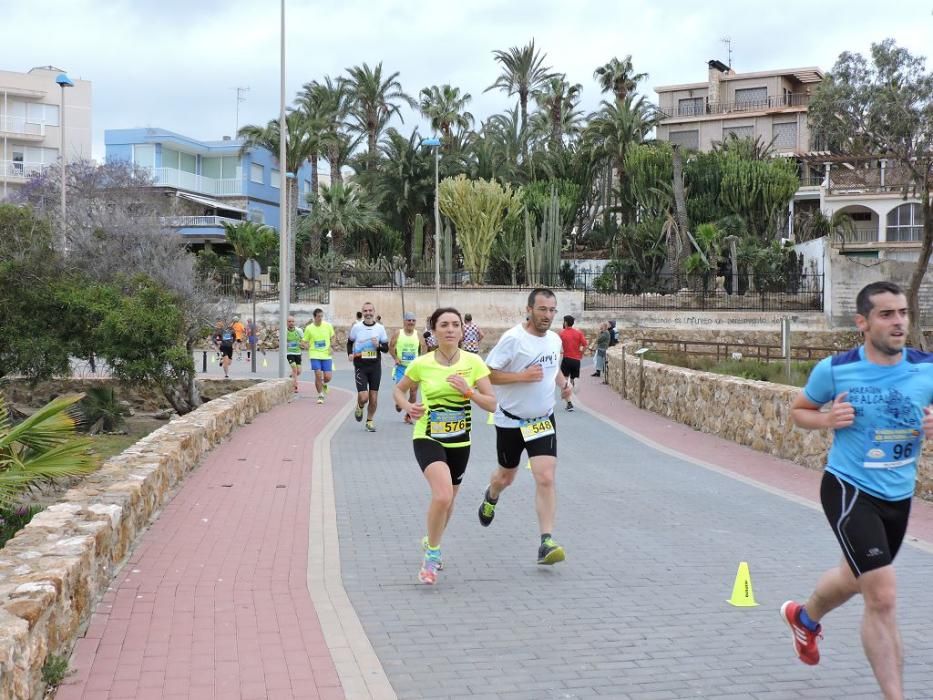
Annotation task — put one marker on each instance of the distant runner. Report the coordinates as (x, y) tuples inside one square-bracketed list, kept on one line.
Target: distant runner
[(318, 338), (404, 346), (366, 342)]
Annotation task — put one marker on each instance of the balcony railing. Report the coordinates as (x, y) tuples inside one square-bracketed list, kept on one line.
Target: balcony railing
[(771, 102), (20, 170), (196, 183), (844, 180), (211, 221), (859, 235), (18, 125)]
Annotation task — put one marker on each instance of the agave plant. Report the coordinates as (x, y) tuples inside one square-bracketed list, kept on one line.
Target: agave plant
[(42, 448)]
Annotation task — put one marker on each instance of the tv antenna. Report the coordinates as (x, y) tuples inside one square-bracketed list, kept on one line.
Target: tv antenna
[(727, 40), (240, 97)]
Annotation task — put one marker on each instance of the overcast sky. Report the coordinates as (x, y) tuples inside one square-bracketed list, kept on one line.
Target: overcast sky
[(175, 63)]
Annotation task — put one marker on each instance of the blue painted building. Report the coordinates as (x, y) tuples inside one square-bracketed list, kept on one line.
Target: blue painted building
[(210, 182)]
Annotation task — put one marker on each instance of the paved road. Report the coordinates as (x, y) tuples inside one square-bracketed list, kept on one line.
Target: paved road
[(654, 526)]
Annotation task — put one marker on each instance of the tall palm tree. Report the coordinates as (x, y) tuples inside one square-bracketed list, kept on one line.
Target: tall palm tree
[(446, 108), (331, 101), (618, 77), (558, 100), (375, 100), (523, 72), (300, 143), (341, 210)]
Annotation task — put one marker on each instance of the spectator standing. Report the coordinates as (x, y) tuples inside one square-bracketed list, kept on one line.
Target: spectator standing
[(472, 334), (600, 346)]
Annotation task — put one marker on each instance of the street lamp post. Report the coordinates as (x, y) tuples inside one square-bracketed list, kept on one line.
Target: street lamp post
[(435, 143), (284, 277), (63, 82)]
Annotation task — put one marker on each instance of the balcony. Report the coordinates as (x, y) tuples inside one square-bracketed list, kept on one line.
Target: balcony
[(19, 127), (846, 180), (170, 177), (772, 103), (198, 221), (19, 170)]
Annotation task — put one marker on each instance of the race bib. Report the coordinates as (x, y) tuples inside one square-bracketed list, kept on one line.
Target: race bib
[(408, 355), (534, 428), (368, 354), (448, 423), (293, 348), (890, 448), (320, 344)]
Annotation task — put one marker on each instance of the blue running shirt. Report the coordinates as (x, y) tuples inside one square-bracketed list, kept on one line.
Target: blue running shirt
[(878, 453)]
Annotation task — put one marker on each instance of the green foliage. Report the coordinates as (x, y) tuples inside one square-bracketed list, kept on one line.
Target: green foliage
[(744, 368), (650, 172), (252, 240), (640, 255), (208, 264), (55, 670), (100, 404), (342, 210), (417, 246), (542, 248), (568, 277), (14, 519), (41, 449), (759, 191), (478, 209)]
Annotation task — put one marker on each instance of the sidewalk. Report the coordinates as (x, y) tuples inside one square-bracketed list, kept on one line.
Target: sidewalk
[(214, 602)]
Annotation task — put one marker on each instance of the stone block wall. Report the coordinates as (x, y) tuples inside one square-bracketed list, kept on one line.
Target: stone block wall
[(751, 413), (58, 566)]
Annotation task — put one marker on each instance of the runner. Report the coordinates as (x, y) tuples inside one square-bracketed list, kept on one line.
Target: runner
[(472, 334), (574, 344), (449, 380), (223, 338), (239, 330), (293, 345), (525, 365), (404, 347), (881, 393), (319, 338), (366, 342)]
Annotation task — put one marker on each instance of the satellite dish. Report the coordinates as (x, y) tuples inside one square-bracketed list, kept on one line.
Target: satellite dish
[(252, 269)]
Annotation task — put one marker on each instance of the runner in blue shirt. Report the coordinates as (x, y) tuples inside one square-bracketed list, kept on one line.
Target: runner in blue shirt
[(879, 395)]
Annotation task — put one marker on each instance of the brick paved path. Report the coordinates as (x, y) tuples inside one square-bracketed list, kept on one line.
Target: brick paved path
[(214, 602), (638, 609)]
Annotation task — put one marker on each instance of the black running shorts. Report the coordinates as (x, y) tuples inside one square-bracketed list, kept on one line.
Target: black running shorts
[(870, 530), (226, 350), (570, 368), (428, 451), (510, 444), (368, 375), (294, 360)]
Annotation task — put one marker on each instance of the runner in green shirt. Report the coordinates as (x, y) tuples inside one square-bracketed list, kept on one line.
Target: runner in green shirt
[(404, 346), (318, 339), (449, 379), (293, 338)]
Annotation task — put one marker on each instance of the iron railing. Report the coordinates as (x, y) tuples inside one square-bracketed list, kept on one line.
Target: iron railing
[(693, 109), (196, 183)]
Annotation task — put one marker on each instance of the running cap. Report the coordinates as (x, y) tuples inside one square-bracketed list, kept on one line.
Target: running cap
[(408, 316)]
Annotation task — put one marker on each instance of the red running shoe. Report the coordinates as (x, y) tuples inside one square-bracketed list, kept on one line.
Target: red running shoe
[(805, 645)]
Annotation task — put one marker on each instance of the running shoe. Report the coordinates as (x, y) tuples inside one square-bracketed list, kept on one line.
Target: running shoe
[(424, 546), (358, 413), (805, 641), (370, 428), (570, 405), (550, 552), (487, 510), (429, 569), (320, 398), (326, 389)]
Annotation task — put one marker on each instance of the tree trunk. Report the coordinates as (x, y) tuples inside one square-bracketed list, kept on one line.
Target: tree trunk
[(523, 104), (333, 157), (314, 176), (371, 156), (291, 201), (915, 333), (680, 207)]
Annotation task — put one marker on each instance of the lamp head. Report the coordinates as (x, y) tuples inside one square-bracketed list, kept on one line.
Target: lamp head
[(433, 141), (64, 80)]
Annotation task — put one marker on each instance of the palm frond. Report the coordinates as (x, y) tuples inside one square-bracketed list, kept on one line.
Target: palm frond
[(47, 427)]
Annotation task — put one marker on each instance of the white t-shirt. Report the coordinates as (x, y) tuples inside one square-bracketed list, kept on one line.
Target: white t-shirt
[(366, 339), (517, 350)]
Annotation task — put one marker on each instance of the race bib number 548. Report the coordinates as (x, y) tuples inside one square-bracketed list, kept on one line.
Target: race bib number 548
[(536, 428)]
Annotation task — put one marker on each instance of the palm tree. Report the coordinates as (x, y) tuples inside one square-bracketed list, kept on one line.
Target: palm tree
[(558, 100), (41, 448), (330, 101), (523, 72), (375, 100), (342, 209), (509, 140), (251, 240), (618, 77), (446, 108), (300, 143)]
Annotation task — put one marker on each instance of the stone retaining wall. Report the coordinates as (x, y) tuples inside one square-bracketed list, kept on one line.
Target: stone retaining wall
[(58, 566), (751, 413)]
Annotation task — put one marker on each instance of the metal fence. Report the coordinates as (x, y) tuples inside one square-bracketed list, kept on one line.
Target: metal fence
[(233, 286)]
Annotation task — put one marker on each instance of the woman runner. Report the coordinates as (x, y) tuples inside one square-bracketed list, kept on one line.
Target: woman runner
[(449, 379)]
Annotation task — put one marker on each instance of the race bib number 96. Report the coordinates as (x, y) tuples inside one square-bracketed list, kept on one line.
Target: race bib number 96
[(889, 448)]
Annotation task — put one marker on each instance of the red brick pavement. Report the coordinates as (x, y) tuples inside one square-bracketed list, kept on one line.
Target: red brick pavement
[(728, 457), (214, 601)]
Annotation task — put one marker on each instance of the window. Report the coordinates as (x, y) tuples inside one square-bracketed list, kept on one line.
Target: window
[(785, 135), (210, 167), (229, 170), (751, 98), (691, 106), (38, 113), (687, 139), (859, 215), (740, 132), (169, 158), (274, 178), (256, 215), (256, 173), (187, 163), (905, 223), (144, 155), (40, 156)]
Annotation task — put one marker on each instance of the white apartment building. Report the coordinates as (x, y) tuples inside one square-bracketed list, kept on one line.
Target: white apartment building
[(31, 123)]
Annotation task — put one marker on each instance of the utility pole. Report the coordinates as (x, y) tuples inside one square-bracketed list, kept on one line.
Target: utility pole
[(240, 97)]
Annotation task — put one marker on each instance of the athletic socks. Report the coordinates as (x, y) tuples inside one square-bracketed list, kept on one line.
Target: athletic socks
[(806, 621)]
